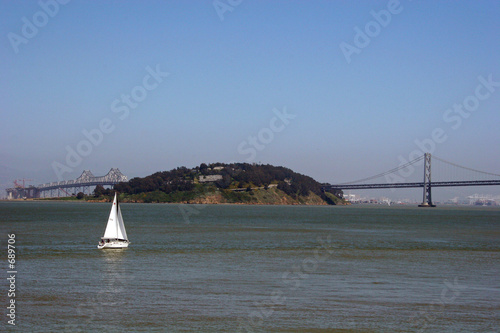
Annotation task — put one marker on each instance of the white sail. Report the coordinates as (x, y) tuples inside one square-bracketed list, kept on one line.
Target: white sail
[(115, 229), (121, 225)]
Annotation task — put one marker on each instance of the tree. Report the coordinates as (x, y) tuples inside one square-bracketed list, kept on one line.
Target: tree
[(303, 190), (204, 169), (80, 195), (99, 190)]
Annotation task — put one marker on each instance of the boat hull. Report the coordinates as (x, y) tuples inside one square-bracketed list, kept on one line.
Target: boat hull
[(113, 245)]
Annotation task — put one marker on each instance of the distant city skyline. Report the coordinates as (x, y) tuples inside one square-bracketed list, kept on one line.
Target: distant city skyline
[(334, 90)]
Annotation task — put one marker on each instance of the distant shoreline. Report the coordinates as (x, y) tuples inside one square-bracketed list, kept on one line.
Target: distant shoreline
[(414, 205), (165, 203)]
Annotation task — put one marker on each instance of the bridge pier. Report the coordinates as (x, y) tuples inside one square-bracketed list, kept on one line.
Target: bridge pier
[(427, 199)]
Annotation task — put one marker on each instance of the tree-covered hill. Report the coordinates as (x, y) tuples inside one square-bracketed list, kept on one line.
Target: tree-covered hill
[(227, 183)]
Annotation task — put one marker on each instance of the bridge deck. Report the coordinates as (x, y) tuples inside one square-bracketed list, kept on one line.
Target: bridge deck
[(409, 185)]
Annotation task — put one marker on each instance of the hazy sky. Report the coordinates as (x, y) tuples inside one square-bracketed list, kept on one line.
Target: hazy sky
[(337, 90)]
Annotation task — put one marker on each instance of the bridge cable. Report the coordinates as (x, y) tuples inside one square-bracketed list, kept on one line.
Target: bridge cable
[(387, 172), (466, 168)]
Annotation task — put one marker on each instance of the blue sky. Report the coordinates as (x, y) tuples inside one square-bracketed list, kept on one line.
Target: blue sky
[(352, 119)]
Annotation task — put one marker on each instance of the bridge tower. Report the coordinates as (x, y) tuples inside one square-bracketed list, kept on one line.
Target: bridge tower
[(427, 198)]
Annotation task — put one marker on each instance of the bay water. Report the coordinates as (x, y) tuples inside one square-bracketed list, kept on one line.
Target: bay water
[(237, 268)]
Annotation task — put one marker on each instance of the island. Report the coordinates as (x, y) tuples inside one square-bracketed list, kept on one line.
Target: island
[(220, 183)]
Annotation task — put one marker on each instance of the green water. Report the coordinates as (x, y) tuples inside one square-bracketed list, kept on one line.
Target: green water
[(254, 269)]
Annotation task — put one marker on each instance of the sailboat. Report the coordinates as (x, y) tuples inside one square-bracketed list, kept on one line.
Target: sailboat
[(115, 235)]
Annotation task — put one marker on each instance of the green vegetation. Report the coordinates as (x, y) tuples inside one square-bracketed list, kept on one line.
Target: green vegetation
[(224, 183)]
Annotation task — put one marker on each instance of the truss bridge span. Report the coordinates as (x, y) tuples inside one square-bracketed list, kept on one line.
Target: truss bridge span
[(85, 183)]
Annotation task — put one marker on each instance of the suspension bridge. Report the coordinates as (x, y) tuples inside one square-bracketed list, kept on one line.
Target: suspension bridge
[(450, 174), (84, 183)]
